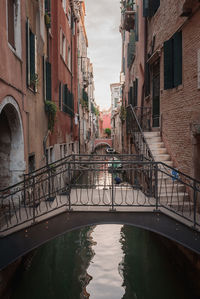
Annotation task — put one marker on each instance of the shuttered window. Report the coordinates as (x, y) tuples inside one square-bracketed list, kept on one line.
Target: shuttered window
[(68, 101), (11, 22), (131, 48), (31, 58), (150, 7), (173, 61), (47, 6), (136, 25), (133, 94), (48, 81)]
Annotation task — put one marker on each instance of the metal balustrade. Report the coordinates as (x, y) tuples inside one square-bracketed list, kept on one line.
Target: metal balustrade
[(99, 183)]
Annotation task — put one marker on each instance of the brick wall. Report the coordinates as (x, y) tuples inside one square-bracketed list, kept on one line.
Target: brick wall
[(180, 106)]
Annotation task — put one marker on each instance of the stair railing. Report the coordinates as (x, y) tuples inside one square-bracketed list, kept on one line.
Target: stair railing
[(134, 129)]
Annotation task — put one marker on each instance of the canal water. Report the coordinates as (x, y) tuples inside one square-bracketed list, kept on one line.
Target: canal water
[(102, 262), (106, 261)]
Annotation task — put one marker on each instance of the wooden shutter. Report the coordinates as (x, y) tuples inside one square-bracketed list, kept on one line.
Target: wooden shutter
[(11, 22), (168, 64), (136, 25), (135, 85), (32, 55), (28, 76), (47, 6), (145, 8), (48, 81), (60, 96), (147, 79), (177, 47)]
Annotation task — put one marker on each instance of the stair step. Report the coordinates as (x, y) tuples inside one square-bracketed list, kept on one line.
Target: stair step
[(151, 134), (154, 140), (156, 145), (169, 188), (159, 151), (164, 157), (179, 197)]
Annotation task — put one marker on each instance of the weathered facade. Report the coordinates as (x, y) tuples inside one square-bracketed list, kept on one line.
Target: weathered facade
[(87, 105), (166, 62), (22, 115), (116, 122)]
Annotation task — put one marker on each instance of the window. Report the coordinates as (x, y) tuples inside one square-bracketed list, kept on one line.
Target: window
[(62, 45), (131, 48), (67, 101), (14, 25), (150, 7), (64, 5), (133, 93), (69, 17), (31, 163), (11, 22), (116, 101), (173, 61), (31, 58), (69, 57)]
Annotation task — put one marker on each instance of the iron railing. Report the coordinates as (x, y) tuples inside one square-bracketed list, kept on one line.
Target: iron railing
[(134, 129), (99, 182)]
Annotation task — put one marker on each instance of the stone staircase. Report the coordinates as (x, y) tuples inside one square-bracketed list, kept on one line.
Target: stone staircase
[(171, 192)]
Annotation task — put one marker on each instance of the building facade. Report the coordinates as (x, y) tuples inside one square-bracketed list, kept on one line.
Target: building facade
[(166, 61), (116, 122)]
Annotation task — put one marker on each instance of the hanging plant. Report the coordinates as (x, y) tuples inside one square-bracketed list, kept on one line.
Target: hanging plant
[(47, 18), (51, 109), (122, 113)]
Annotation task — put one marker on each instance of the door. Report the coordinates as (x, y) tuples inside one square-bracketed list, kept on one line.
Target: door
[(156, 96)]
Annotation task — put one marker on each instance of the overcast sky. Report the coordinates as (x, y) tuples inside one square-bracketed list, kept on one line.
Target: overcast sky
[(102, 26)]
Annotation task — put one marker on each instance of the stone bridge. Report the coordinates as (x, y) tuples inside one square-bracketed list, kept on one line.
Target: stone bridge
[(102, 142), (81, 190)]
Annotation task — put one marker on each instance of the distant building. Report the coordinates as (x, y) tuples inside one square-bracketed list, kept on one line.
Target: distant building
[(116, 123)]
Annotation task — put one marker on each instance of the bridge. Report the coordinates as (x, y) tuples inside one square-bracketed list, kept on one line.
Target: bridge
[(82, 190), (102, 142)]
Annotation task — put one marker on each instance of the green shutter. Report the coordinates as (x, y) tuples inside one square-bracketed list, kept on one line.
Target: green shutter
[(131, 48), (27, 53), (48, 81), (32, 55), (60, 96), (168, 64), (177, 43), (145, 8), (47, 6), (136, 25), (147, 79)]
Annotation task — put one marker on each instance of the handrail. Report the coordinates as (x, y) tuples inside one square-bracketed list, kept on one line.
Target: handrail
[(140, 138), (59, 187)]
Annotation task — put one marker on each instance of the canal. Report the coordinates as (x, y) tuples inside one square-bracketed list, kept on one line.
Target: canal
[(102, 262)]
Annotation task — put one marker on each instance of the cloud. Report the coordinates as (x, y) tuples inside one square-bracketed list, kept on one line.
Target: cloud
[(102, 26)]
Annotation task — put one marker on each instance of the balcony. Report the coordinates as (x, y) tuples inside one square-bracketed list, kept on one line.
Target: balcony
[(128, 15)]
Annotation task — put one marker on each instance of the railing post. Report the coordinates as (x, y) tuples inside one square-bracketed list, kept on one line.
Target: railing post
[(69, 175), (112, 190), (195, 203), (24, 189), (34, 206), (156, 186)]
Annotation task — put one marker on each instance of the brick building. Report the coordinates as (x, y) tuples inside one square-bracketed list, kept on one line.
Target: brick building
[(171, 55), (23, 122)]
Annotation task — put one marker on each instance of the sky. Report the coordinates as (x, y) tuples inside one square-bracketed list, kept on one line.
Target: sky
[(102, 26)]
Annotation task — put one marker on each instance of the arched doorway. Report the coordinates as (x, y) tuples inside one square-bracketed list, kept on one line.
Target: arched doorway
[(12, 164)]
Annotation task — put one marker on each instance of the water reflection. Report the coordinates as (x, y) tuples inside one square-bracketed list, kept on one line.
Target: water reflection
[(104, 268), (106, 261)]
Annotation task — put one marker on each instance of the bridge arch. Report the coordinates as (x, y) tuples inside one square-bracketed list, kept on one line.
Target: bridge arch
[(102, 144), (35, 236), (12, 160)]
